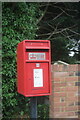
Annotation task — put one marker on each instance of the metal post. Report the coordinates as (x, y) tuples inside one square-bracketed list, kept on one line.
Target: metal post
[(33, 103)]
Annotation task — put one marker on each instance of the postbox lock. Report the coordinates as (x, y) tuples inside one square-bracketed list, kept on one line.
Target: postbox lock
[(37, 64)]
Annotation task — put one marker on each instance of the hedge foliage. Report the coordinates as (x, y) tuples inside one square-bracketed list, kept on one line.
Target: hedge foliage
[(18, 23)]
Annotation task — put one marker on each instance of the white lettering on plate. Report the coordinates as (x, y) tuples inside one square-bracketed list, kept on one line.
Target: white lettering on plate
[(36, 56)]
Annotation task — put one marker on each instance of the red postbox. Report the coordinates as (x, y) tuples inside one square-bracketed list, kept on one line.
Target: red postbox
[(33, 68)]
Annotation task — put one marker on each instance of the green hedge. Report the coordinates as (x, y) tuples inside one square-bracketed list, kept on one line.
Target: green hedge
[(18, 23)]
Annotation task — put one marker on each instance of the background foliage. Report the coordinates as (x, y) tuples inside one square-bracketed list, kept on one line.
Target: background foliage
[(55, 21), (19, 23), (60, 23)]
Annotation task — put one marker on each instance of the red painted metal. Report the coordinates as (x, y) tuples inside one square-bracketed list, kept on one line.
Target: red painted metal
[(34, 68)]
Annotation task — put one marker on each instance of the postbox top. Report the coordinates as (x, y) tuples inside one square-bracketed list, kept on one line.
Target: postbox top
[(36, 44), (37, 40)]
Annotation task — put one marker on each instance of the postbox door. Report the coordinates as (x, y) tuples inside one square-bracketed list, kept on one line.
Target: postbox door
[(38, 77)]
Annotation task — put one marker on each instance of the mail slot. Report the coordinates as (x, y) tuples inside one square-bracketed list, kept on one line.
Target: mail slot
[(33, 68)]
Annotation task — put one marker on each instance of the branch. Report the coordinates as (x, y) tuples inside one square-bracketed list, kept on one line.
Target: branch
[(60, 29), (64, 11), (70, 27), (71, 10), (43, 13), (42, 5), (66, 36), (73, 31), (75, 10), (51, 26), (62, 34), (57, 16), (53, 33)]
